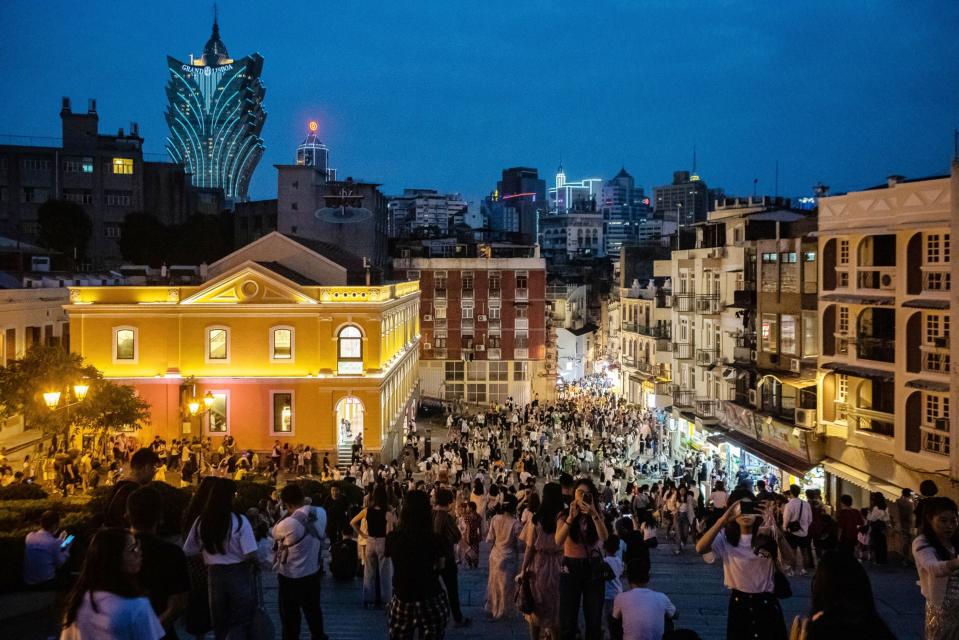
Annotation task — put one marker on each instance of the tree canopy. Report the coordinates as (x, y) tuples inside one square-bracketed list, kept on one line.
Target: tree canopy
[(65, 227)]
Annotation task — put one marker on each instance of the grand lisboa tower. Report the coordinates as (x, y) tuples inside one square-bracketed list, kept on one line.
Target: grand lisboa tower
[(215, 115)]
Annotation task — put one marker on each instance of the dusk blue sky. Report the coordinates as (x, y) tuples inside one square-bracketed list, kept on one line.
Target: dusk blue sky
[(446, 94)]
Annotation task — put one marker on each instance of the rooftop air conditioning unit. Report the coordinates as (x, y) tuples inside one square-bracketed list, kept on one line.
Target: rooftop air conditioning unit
[(481, 318), (427, 318), (806, 418), (752, 397), (481, 347), (795, 365)]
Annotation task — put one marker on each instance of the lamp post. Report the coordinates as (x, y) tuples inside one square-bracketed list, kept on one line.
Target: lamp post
[(52, 398)]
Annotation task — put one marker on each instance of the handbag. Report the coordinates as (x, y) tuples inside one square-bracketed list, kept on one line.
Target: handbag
[(793, 525), (524, 597), (781, 587)]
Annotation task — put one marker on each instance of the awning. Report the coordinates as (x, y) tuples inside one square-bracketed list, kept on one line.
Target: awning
[(798, 382), (853, 299), (773, 455), (926, 304), (860, 372), (861, 478), (928, 385)]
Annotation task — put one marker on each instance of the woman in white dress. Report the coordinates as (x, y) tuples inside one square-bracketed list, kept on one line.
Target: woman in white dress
[(504, 532)]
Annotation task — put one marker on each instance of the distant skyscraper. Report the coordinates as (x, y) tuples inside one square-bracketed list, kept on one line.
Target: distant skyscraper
[(313, 153), (520, 198), (425, 211), (685, 201), (565, 194), (624, 209), (215, 117)]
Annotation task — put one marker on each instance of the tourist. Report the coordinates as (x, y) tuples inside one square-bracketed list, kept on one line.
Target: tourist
[(543, 563), (581, 531), (685, 516), (754, 610), (143, 466), (228, 546), (503, 536), (419, 602), (935, 552), (641, 611), (614, 578), (164, 574), (372, 525), (842, 604), (878, 521), (45, 553), (444, 525), (849, 521), (797, 516), (472, 527), (106, 601), (298, 542), (905, 516)]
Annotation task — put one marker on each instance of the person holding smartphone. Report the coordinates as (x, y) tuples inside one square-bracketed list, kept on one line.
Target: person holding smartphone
[(45, 552), (754, 610), (581, 531)]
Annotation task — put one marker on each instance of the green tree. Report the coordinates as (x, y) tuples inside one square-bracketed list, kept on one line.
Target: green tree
[(64, 227), (201, 238), (144, 239), (106, 407)]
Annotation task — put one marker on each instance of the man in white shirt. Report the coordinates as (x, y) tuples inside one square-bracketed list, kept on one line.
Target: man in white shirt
[(44, 553), (298, 538), (797, 516), (642, 611)]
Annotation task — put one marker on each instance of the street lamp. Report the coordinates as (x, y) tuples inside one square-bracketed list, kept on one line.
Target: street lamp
[(51, 398), (208, 399), (194, 406), (80, 390)]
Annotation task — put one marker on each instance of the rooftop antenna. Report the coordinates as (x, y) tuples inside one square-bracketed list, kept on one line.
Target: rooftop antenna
[(694, 159), (214, 13), (776, 194), (755, 182)]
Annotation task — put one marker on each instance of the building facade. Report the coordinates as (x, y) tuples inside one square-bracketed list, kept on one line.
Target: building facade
[(624, 208), (685, 201), (215, 115), (577, 233), (646, 343), (563, 195), (484, 322), (885, 308), (425, 211), (282, 348)]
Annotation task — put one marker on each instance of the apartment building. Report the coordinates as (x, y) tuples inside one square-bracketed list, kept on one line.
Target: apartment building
[(483, 320), (646, 343), (885, 308)]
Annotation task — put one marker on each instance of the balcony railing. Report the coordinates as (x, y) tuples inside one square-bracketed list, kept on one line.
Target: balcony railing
[(664, 388), (880, 278), (684, 302), (655, 331), (706, 357), (521, 323), (521, 354), (630, 327), (706, 407), (874, 421), (629, 361), (935, 361), (664, 299), (682, 350), (708, 304), (493, 354), (684, 398), (879, 349), (522, 294), (664, 344), (644, 367)]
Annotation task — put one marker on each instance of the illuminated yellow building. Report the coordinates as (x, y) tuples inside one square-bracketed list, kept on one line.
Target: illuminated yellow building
[(277, 344)]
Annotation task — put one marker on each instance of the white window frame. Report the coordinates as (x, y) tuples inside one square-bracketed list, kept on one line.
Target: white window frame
[(136, 345), (292, 431), (206, 345), (292, 330), (207, 418)]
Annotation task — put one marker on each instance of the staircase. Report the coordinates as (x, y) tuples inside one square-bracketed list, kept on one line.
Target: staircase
[(344, 453)]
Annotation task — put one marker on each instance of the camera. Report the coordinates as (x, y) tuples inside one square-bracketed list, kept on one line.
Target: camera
[(747, 508)]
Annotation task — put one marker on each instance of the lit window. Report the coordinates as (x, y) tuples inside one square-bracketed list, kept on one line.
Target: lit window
[(770, 258), (123, 166), (788, 334), (282, 343), (218, 418), (350, 350), (282, 412), (124, 344), (218, 344), (770, 333)]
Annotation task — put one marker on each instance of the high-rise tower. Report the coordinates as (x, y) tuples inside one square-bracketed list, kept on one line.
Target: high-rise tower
[(215, 117), (313, 153)]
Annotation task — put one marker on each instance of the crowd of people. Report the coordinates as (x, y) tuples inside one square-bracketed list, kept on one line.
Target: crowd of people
[(570, 495)]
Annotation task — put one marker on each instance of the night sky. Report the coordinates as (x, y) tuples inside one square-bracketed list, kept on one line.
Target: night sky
[(445, 94)]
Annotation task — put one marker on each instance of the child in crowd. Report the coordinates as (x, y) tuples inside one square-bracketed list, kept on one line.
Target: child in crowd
[(642, 611), (614, 585)]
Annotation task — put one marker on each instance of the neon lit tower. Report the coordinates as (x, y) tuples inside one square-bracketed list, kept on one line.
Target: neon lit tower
[(215, 117), (313, 153)]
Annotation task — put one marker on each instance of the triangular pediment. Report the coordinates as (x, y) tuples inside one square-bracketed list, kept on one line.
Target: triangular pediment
[(249, 284)]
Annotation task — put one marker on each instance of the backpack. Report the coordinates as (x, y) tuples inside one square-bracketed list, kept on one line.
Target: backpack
[(281, 551), (343, 560)]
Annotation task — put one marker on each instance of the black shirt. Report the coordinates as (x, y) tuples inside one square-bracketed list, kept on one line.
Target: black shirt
[(116, 515), (414, 555), (163, 574)]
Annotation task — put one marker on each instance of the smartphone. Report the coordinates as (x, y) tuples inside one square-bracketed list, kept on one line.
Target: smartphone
[(747, 508), (588, 498), (67, 541)]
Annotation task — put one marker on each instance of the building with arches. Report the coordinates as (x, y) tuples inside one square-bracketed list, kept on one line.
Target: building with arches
[(886, 392), (277, 343)]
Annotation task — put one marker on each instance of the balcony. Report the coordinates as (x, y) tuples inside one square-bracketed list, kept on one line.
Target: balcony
[(629, 361), (684, 302), (521, 354), (493, 354), (708, 304), (684, 398), (878, 349), (683, 350), (664, 388), (644, 367), (877, 278), (522, 294), (521, 323), (630, 327), (873, 421), (655, 331), (706, 408), (664, 344), (707, 357), (664, 299)]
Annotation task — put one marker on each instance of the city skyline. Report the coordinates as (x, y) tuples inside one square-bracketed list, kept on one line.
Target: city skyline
[(862, 93)]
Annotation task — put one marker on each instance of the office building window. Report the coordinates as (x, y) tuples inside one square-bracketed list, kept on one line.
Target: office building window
[(810, 334), (123, 166), (770, 333), (282, 402), (111, 229), (124, 344), (217, 344), (281, 343)]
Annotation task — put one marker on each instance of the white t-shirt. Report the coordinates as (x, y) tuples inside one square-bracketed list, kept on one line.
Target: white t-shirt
[(719, 499), (117, 618), (643, 612), (303, 547), (239, 543), (743, 570), (615, 586)]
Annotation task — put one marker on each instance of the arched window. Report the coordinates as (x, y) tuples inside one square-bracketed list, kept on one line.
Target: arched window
[(350, 350)]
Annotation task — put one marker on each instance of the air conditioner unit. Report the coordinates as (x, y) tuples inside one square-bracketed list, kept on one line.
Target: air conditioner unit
[(427, 346), (795, 365), (752, 354), (886, 281), (752, 397), (942, 423), (806, 417), (481, 347), (427, 318), (481, 318)]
